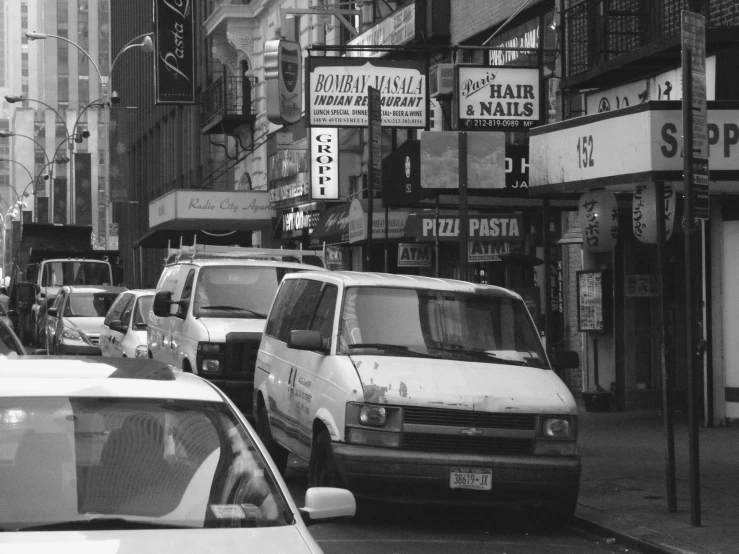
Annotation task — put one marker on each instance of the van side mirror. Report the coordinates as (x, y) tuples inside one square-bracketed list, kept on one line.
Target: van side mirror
[(52, 312), (564, 359), (162, 301), (306, 340)]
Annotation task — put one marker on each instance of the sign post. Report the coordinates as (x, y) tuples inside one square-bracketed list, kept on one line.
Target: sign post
[(695, 169), (374, 171)]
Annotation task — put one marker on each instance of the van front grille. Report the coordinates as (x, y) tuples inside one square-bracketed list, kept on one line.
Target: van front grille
[(467, 418), (241, 355)]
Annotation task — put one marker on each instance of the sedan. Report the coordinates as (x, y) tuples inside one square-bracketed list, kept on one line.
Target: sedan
[(80, 311), (123, 334), (125, 455)]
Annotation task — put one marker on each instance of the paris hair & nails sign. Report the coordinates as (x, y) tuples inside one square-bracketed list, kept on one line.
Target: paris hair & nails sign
[(175, 52)]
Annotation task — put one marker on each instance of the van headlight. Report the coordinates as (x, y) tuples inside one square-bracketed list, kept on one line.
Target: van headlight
[(210, 357), (373, 425), (556, 436)]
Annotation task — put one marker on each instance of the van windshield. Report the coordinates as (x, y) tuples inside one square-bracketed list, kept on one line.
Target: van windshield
[(453, 325), (236, 291)]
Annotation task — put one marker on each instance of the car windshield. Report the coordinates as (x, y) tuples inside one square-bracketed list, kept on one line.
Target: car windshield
[(57, 274), (455, 325), (141, 313), (89, 304), (69, 462), (237, 291)]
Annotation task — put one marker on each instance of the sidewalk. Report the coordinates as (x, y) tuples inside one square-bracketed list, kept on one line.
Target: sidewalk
[(623, 485)]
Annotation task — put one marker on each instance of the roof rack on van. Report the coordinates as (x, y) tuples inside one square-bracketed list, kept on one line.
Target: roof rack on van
[(204, 252)]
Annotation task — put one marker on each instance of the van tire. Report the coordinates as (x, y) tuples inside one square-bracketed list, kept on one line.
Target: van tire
[(322, 469), (277, 452)]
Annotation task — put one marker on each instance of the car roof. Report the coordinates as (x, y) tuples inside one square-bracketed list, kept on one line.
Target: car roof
[(141, 292), (100, 377), (94, 288), (358, 278)]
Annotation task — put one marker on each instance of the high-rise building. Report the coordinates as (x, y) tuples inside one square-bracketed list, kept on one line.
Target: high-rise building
[(60, 78)]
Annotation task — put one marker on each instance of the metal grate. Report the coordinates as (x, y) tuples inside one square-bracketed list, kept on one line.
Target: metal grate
[(469, 445), (466, 418), (228, 96)]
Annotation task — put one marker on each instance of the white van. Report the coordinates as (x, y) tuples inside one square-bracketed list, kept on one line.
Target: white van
[(209, 312), (417, 389)]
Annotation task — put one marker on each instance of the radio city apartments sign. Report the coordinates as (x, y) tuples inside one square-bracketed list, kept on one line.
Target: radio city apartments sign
[(337, 91)]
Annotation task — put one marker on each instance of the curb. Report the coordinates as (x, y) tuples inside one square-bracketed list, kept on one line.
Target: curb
[(625, 539)]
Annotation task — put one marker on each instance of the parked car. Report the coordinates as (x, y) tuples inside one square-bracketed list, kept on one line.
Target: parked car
[(51, 321), (150, 461), (80, 312), (408, 388), (4, 317), (209, 312), (123, 333), (10, 343)]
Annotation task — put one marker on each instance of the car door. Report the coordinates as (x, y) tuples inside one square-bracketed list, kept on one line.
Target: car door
[(179, 323), (292, 364), (110, 339), (308, 380), (158, 332)]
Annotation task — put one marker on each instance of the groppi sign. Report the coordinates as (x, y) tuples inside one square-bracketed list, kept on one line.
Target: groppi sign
[(324, 162)]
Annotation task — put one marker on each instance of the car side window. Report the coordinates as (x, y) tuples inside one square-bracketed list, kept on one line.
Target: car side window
[(282, 305), (116, 309), (127, 309), (323, 319), (306, 301)]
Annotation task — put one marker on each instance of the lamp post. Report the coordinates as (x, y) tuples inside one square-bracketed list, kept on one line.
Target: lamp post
[(5, 134), (148, 46)]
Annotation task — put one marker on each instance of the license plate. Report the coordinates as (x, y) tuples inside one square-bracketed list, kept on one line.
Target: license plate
[(475, 478)]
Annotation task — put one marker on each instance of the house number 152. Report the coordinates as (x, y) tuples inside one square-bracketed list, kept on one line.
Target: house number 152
[(585, 151)]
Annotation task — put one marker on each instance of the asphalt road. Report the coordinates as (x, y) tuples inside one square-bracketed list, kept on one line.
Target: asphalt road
[(389, 529)]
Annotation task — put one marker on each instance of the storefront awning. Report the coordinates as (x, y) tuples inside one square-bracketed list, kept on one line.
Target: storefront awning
[(225, 218), (332, 227)]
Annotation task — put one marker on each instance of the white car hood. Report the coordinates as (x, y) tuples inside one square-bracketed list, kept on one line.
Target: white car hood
[(287, 539), (462, 385), (88, 325), (218, 328)]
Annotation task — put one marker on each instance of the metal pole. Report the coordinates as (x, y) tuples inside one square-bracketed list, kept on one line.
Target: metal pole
[(690, 342), (547, 291), (387, 245), (436, 238), (464, 225), (666, 346)]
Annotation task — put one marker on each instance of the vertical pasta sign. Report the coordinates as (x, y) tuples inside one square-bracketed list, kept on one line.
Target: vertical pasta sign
[(175, 52)]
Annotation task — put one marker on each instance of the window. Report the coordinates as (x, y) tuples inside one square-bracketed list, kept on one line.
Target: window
[(117, 308), (141, 311), (89, 304), (323, 319), (281, 307)]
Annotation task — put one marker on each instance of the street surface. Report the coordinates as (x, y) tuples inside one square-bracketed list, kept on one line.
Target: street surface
[(424, 530)]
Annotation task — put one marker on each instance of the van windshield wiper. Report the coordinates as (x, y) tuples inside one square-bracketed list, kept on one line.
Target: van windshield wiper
[(233, 309), (395, 348), (102, 523)]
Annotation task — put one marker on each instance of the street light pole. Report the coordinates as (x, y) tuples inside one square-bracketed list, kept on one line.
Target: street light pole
[(148, 46)]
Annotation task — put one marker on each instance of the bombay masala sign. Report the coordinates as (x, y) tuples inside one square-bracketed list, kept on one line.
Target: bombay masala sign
[(336, 91)]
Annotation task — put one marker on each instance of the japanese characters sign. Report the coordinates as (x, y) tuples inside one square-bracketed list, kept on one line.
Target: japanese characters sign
[(599, 220), (590, 305), (644, 212)]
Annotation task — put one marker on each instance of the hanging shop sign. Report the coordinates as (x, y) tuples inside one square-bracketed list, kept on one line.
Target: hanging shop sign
[(486, 163), (490, 227), (338, 258), (401, 176), (644, 212), (665, 86), (487, 251), (174, 42), (210, 205), (336, 91), (283, 78), (397, 29), (632, 145), (299, 219), (498, 98), (324, 163), (414, 254), (358, 222), (599, 220), (517, 169)]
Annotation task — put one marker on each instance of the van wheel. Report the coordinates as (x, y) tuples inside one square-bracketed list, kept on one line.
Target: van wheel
[(277, 452), (322, 470)]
